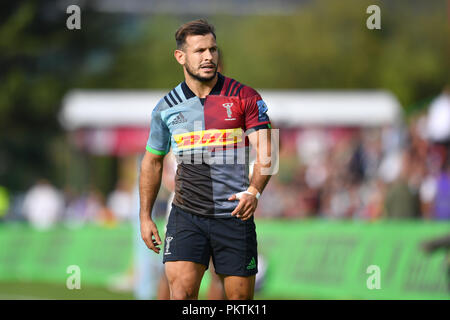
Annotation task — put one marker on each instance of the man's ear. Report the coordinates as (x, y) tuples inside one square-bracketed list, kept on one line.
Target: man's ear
[(180, 56)]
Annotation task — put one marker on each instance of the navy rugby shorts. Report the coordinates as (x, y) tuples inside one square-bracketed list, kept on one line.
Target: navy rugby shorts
[(230, 242)]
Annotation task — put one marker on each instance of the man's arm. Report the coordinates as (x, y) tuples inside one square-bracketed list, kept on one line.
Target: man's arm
[(261, 141), (149, 184)]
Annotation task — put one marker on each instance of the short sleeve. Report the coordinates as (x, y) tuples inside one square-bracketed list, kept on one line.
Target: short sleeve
[(159, 137), (256, 114)]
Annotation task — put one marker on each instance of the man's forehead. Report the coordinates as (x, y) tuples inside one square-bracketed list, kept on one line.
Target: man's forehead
[(196, 41)]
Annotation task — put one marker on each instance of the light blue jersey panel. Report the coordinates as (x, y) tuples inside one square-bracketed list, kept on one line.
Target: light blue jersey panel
[(159, 138), (183, 118)]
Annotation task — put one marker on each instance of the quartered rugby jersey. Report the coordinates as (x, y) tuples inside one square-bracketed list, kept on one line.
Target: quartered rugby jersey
[(208, 139)]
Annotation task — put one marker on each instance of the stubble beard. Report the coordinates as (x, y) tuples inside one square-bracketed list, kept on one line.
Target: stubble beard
[(197, 76)]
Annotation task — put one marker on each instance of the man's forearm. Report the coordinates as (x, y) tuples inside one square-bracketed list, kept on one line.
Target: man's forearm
[(149, 184), (262, 140), (258, 181)]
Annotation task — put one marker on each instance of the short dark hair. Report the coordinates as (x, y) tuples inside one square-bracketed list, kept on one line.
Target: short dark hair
[(196, 27)]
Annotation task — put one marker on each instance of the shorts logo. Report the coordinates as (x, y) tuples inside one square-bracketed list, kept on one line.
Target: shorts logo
[(262, 111), (252, 264), (207, 138), (229, 113), (168, 240)]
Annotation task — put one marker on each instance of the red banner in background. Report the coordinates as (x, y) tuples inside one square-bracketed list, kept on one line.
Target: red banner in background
[(111, 141)]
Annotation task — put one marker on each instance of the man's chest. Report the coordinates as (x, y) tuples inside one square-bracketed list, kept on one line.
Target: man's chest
[(223, 113), (217, 112), (219, 121)]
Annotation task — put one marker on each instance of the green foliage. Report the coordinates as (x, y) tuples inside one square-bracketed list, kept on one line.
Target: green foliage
[(323, 44)]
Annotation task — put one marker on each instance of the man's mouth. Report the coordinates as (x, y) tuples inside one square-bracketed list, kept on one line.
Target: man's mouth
[(208, 67)]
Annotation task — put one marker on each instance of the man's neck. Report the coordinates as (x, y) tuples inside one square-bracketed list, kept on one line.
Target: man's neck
[(199, 88)]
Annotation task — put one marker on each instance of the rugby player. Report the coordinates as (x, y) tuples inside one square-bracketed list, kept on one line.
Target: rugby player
[(214, 203)]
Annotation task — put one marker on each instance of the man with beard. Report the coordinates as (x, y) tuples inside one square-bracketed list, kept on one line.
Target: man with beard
[(214, 202)]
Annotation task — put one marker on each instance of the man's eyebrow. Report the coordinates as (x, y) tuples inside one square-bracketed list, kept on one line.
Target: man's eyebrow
[(203, 48)]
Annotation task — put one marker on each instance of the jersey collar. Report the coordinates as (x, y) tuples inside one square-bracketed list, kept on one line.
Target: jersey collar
[(215, 91)]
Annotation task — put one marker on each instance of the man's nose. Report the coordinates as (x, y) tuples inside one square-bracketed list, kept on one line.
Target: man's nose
[(208, 55)]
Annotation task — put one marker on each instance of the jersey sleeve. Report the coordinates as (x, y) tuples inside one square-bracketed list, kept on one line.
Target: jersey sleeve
[(159, 137), (256, 113)]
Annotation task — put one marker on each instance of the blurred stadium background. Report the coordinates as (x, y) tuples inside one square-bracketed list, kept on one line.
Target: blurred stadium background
[(364, 119)]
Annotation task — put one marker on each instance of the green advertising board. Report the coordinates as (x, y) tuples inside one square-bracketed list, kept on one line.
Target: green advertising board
[(338, 260), (31, 255), (304, 258)]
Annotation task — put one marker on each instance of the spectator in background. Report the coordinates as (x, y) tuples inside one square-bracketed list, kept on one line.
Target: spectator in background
[(4, 202), (75, 213), (99, 210), (120, 202), (441, 210), (401, 200), (435, 188), (373, 193), (88, 207), (438, 126), (43, 205)]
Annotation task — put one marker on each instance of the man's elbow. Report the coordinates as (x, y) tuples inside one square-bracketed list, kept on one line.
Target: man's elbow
[(152, 162)]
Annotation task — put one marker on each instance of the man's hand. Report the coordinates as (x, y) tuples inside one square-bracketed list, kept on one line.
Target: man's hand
[(148, 231), (246, 207)]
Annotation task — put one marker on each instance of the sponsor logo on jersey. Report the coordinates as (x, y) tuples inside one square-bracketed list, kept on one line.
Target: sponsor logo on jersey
[(212, 137), (178, 119), (262, 111)]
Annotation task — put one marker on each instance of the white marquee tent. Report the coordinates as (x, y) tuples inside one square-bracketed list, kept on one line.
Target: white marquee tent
[(287, 108)]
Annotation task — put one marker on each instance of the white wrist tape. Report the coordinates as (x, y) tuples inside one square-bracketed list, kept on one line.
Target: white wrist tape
[(239, 195)]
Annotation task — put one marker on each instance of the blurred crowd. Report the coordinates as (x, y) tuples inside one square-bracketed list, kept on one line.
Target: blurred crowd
[(44, 205), (365, 173), (391, 172)]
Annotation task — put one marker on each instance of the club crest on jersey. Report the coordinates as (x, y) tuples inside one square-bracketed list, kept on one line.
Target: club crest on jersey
[(229, 112), (262, 111)]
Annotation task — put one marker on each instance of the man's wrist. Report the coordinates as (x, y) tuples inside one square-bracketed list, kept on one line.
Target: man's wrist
[(145, 216), (254, 191)]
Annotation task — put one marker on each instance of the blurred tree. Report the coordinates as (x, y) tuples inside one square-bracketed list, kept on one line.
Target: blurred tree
[(40, 60), (324, 44)]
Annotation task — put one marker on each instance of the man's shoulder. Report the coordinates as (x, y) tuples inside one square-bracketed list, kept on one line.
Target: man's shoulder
[(172, 98), (234, 88)]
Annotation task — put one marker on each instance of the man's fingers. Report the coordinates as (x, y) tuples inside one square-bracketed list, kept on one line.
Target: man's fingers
[(153, 246), (149, 243), (238, 208), (247, 213), (150, 235), (155, 242), (243, 210), (156, 234), (233, 197)]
